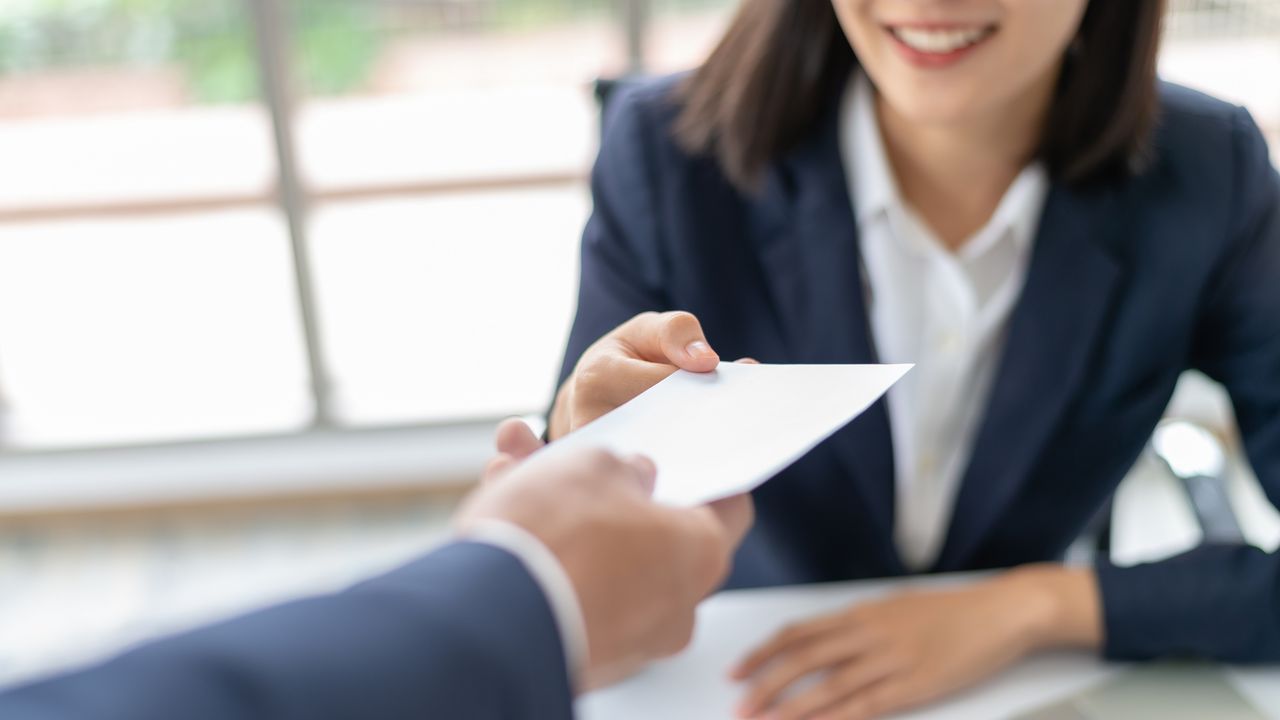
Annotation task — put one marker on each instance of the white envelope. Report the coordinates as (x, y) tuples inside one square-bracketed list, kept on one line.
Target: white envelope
[(717, 434)]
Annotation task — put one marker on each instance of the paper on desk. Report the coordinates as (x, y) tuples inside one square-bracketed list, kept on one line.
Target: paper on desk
[(713, 435)]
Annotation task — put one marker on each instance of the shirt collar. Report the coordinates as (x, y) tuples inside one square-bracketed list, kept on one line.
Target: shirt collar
[(1020, 209), (871, 180)]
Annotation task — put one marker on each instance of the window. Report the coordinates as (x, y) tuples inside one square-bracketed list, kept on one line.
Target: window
[(145, 275), (1231, 49), (227, 218), (231, 217)]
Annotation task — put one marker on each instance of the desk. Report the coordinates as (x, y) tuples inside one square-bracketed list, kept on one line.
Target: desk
[(692, 686)]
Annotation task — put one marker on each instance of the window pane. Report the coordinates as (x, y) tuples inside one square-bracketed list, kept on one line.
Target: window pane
[(146, 290), (106, 101), (144, 329), (401, 93), (683, 32), (447, 307), (1230, 49)]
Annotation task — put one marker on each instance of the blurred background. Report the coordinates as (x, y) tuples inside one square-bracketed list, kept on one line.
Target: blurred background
[(271, 270)]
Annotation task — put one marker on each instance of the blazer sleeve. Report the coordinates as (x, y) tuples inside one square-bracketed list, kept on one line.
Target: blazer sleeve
[(621, 266), (1223, 602), (462, 633)]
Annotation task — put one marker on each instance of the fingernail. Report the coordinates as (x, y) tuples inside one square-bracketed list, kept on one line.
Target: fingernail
[(699, 349)]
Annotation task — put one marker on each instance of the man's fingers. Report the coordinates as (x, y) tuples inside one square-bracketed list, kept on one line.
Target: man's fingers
[(515, 441), (643, 471), (737, 514), (497, 467), (747, 361), (605, 470), (515, 438), (673, 337)]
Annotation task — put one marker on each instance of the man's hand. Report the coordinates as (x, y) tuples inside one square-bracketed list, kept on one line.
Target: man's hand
[(514, 441), (639, 569)]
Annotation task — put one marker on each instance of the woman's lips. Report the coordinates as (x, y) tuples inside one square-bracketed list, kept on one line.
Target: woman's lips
[(937, 46)]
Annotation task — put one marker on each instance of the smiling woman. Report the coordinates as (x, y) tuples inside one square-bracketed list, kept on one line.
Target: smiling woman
[(760, 91), (1002, 193)]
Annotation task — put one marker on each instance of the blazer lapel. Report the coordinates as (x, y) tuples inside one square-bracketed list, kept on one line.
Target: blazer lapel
[(807, 240), (1069, 288)]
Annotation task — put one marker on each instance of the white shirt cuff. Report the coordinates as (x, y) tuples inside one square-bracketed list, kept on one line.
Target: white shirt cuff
[(550, 576)]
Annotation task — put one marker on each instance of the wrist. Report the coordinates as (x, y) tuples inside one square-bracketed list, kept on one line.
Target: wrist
[(1062, 606)]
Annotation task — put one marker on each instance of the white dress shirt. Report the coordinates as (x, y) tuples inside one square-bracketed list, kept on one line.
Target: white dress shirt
[(551, 578), (944, 311)]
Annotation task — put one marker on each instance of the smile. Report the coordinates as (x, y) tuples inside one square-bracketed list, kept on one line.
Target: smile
[(936, 46)]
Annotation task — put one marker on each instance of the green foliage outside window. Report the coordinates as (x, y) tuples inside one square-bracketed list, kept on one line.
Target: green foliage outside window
[(211, 41)]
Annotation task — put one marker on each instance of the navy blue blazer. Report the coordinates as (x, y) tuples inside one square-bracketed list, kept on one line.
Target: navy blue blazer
[(1131, 283), (462, 633)]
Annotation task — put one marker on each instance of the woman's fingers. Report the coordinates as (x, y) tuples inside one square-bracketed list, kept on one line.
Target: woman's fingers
[(608, 382), (845, 689), (634, 357), (786, 638), (888, 696), (672, 337), (919, 646), (818, 654), (617, 379)]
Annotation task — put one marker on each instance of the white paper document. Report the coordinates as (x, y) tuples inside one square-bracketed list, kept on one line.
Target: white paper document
[(717, 434)]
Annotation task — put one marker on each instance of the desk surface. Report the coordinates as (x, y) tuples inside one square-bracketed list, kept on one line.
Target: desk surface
[(693, 686)]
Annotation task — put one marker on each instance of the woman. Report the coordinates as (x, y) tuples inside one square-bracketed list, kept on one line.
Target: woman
[(1001, 192)]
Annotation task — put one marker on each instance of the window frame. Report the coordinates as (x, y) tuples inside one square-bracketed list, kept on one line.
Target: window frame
[(272, 31)]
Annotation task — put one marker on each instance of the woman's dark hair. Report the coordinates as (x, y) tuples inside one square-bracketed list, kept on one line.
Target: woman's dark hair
[(764, 86)]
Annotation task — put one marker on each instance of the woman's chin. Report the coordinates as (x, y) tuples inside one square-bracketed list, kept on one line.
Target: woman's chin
[(943, 109)]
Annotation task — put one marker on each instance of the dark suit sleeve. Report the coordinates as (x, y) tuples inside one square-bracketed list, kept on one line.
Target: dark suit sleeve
[(462, 633), (1223, 601), (621, 266)]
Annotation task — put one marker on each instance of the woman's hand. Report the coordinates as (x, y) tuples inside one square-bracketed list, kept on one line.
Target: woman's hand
[(634, 357), (889, 655)]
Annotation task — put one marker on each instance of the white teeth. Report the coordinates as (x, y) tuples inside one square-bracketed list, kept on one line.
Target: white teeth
[(938, 42)]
